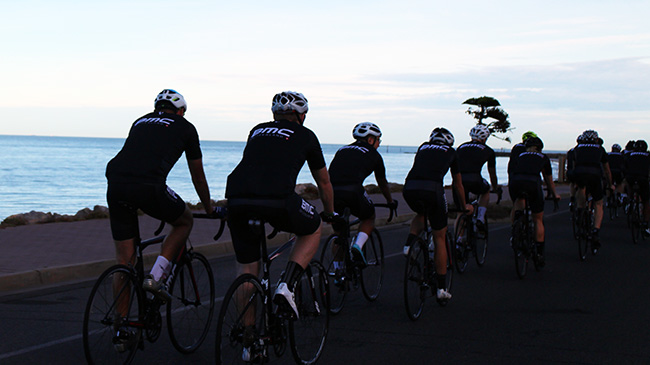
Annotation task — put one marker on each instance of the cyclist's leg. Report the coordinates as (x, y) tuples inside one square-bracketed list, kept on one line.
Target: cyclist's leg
[(414, 199), (365, 210)]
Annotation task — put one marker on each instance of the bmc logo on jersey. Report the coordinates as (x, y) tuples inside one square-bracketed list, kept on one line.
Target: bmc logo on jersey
[(160, 121), (272, 132), (307, 208)]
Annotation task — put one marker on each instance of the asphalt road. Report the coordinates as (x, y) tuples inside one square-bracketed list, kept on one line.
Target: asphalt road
[(591, 312)]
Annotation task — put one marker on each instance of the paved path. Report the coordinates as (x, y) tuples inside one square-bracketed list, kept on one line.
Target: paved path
[(47, 254)]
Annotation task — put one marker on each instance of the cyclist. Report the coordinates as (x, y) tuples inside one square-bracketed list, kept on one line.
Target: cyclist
[(637, 169), (262, 186), (589, 157), (137, 180), (570, 166), (525, 179), (616, 161), (517, 150), (425, 195), (349, 168), (472, 156)]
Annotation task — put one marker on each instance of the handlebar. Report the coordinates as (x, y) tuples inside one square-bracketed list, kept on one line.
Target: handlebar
[(555, 199), (391, 207), (499, 193), (218, 213)]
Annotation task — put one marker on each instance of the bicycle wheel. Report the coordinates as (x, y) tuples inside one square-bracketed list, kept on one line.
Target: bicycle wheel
[(339, 286), (519, 246), (189, 313), (461, 238), (635, 225), (481, 244), (372, 276), (241, 321), (450, 271), (583, 234), (575, 223), (309, 332), (612, 206), (415, 278), (116, 301)]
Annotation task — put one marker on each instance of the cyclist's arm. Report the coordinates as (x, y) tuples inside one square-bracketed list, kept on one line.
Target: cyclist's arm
[(200, 183), (457, 185), (608, 173), (384, 188), (322, 179), (550, 184), (492, 171)]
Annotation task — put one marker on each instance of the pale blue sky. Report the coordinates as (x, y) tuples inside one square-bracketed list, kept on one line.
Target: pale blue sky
[(89, 68)]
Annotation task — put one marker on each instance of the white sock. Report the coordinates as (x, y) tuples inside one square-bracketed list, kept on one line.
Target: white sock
[(481, 213), (362, 237), (161, 268)]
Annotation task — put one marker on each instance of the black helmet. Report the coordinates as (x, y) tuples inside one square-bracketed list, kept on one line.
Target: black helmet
[(630, 145), (534, 142), (640, 146)]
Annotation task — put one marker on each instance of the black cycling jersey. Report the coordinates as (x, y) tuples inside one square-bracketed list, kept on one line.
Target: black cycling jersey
[(471, 158), (529, 165), (273, 156), (432, 162), (514, 153), (155, 143), (588, 158), (353, 163), (616, 162), (637, 165)]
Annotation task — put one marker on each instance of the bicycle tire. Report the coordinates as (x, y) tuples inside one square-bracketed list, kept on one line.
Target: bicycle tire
[(372, 276), (461, 237), (575, 223), (519, 246), (190, 311), (612, 206), (450, 271), (101, 313), (480, 245), (584, 226), (308, 332), (338, 286), (415, 278), (635, 226), (243, 305)]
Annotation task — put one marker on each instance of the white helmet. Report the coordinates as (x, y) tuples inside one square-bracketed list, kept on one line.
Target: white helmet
[(479, 132), (441, 136), (365, 129), (289, 100), (171, 98)]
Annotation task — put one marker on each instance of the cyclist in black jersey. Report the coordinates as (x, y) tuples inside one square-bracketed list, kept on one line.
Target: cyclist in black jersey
[(590, 162), (637, 170), (616, 162), (351, 165), (425, 195), (524, 178), (472, 156), (137, 180), (262, 186), (517, 150)]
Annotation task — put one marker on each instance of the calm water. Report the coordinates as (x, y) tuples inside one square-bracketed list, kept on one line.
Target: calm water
[(66, 174)]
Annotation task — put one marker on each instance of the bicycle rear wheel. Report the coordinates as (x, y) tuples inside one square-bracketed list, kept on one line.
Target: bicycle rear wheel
[(583, 234), (575, 223), (450, 271), (415, 278), (116, 301), (338, 283), (612, 206), (372, 275), (481, 244), (519, 246), (190, 311), (309, 331), (635, 225), (241, 320), (461, 238)]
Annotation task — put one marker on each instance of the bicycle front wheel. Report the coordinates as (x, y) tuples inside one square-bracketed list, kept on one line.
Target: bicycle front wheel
[(372, 275), (189, 313), (461, 237), (241, 321), (415, 278), (481, 244), (519, 247), (339, 286), (309, 331), (116, 302)]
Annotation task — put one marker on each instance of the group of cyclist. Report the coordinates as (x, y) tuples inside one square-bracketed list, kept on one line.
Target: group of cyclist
[(262, 186)]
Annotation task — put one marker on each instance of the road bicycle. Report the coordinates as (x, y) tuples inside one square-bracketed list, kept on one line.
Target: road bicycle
[(420, 271), (349, 275), (249, 319), (469, 239), (118, 302), (635, 215), (614, 202)]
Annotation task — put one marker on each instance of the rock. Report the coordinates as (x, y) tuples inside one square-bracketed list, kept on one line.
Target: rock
[(83, 214), (307, 191)]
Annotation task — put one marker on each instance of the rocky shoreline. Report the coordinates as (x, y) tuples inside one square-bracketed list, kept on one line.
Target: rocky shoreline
[(307, 191)]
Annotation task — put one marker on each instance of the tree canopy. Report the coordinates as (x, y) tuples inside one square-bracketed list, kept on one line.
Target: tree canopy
[(489, 107)]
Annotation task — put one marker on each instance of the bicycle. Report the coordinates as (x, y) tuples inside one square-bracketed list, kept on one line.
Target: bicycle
[(248, 317), (420, 271), (585, 229), (635, 215), (613, 204), (117, 302), (351, 274), (469, 239)]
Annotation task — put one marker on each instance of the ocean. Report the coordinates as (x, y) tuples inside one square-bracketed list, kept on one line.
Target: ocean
[(65, 174)]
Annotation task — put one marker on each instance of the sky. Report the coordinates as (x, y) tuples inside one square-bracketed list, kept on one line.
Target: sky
[(90, 68)]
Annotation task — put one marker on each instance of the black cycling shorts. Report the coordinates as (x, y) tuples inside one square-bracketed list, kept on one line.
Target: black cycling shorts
[(516, 189), (593, 183), (477, 187), (431, 202), (293, 215), (644, 188), (356, 199), (124, 200), (617, 177)]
